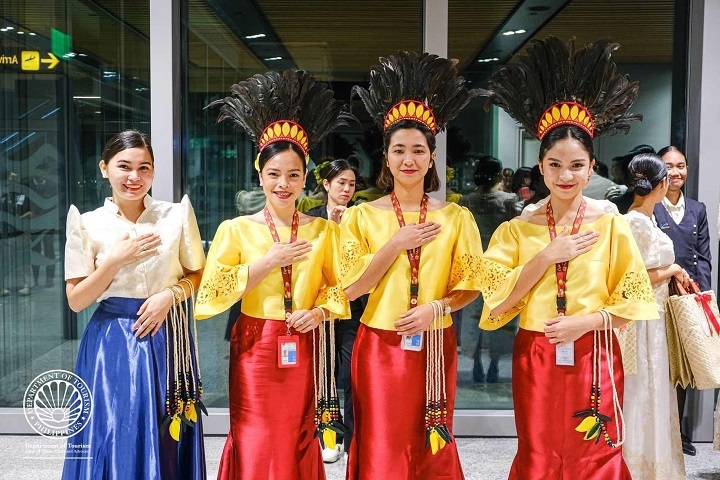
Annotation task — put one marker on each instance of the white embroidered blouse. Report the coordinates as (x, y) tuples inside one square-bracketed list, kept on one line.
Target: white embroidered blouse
[(91, 236)]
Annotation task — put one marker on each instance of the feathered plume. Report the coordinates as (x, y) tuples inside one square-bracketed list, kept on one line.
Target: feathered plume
[(551, 71), (427, 78), (289, 95)]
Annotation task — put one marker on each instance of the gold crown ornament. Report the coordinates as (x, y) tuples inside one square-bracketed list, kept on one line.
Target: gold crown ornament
[(411, 110), (283, 131), (566, 113)]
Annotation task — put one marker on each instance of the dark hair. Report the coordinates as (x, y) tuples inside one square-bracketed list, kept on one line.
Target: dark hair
[(561, 133), (518, 177), (385, 181), (601, 169), (278, 147), (624, 160), (670, 148), (508, 170), (646, 170), (126, 140), (488, 172), (336, 167)]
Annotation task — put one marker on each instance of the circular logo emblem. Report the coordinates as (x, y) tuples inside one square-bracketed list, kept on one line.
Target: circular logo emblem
[(57, 403)]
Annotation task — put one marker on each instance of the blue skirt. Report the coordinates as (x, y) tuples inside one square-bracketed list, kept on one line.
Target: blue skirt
[(127, 379)]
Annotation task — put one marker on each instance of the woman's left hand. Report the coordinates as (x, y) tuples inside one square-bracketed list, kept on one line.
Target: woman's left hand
[(152, 313), (336, 213), (565, 329), (415, 320), (305, 320)]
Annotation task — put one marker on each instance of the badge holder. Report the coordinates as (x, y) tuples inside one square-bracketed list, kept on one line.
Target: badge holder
[(287, 346), (412, 343)]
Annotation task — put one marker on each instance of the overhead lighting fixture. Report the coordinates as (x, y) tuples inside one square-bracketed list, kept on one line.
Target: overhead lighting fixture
[(486, 60), (257, 35), (519, 31), (32, 34), (270, 59), (82, 55), (86, 98), (513, 32), (9, 28), (20, 32)]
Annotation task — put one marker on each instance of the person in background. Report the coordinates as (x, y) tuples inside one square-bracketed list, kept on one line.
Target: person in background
[(521, 183), (684, 220), (653, 449), (338, 178), (600, 188), (507, 176), (490, 207)]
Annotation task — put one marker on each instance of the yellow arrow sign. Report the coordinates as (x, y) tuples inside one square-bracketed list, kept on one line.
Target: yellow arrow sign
[(53, 61), (31, 60)]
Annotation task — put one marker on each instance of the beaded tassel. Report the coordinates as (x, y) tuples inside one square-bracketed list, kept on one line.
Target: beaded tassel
[(595, 423), (327, 404), (184, 384), (437, 433)]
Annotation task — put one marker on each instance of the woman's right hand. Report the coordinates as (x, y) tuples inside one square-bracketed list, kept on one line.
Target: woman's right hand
[(282, 254), (415, 235), (128, 250), (565, 247), (681, 275)]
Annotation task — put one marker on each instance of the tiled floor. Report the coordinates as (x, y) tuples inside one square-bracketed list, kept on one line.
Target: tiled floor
[(32, 458)]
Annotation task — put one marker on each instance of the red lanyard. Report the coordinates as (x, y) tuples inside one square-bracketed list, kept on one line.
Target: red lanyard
[(413, 253), (561, 268), (287, 269)]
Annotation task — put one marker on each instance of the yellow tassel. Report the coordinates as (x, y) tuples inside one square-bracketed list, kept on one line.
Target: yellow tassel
[(434, 441), (191, 413), (329, 438), (586, 424), (175, 428)]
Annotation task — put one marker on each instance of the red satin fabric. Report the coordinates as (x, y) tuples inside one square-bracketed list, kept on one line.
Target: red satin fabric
[(271, 408), (388, 389), (545, 397)]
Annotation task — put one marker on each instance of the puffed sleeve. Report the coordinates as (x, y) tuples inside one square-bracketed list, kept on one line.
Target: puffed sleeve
[(631, 294), (331, 295), (225, 276), (465, 271), (641, 229), (192, 256), (354, 247), (79, 252), (499, 274)]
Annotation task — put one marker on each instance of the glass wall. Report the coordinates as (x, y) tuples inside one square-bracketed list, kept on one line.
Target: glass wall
[(73, 73)]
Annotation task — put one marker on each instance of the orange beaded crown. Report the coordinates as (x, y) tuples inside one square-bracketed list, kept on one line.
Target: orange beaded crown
[(566, 113), (411, 110), (284, 131)]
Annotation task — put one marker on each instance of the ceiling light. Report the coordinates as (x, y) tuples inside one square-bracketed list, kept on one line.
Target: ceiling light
[(509, 32), (257, 35), (86, 98), (20, 32), (82, 55), (520, 31), (9, 28), (269, 59), (32, 33)]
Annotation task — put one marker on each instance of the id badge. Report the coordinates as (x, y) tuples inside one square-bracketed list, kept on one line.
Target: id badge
[(565, 355), (413, 343), (288, 351)]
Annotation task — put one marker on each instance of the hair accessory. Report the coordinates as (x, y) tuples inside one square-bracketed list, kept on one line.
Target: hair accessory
[(422, 88), (287, 106), (554, 84)]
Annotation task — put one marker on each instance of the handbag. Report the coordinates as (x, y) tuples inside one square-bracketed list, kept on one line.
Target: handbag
[(693, 333)]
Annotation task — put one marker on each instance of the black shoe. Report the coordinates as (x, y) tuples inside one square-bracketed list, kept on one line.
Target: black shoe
[(493, 372), (688, 447)]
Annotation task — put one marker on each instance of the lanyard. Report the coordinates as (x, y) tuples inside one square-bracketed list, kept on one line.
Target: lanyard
[(287, 269), (413, 253), (561, 268)]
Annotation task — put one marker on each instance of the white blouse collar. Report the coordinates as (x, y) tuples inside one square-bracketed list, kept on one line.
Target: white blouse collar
[(148, 201)]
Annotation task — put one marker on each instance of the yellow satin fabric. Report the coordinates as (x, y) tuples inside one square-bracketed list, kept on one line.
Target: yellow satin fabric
[(241, 241), (449, 262), (610, 276)]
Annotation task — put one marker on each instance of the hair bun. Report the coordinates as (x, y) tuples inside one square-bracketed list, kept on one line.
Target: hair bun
[(642, 187)]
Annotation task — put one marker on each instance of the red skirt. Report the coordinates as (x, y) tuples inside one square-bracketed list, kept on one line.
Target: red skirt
[(388, 390), (271, 409), (545, 397)]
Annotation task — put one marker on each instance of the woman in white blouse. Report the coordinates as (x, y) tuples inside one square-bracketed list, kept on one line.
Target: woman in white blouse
[(139, 258)]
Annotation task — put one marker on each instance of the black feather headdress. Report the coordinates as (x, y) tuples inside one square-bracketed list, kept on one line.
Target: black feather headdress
[(420, 87), (283, 106), (554, 84)]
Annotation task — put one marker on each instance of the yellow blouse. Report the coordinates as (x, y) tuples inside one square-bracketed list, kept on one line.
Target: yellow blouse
[(450, 262), (240, 241), (610, 276)]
